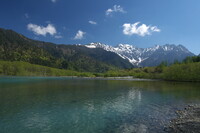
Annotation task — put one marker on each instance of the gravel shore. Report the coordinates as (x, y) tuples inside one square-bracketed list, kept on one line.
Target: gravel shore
[(188, 120)]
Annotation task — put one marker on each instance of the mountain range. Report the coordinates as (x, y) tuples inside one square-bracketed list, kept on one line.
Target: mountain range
[(93, 57), (16, 47), (142, 57)]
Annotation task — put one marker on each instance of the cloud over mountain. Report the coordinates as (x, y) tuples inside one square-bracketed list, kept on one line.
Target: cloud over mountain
[(79, 35), (41, 30), (141, 30), (92, 22)]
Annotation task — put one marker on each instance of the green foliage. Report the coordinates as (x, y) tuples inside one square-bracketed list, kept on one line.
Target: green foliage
[(191, 59), (16, 47), (20, 53), (147, 72), (17, 68), (161, 67), (183, 72), (176, 72), (86, 74), (188, 70), (176, 62)]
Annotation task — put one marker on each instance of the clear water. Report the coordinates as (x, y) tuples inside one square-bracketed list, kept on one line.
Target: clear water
[(72, 105)]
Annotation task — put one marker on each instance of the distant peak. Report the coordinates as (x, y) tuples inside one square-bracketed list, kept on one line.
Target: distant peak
[(94, 43), (157, 46), (99, 45), (125, 45), (181, 46)]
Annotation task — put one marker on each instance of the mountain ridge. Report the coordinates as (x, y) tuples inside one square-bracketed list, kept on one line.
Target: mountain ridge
[(146, 56), (16, 47)]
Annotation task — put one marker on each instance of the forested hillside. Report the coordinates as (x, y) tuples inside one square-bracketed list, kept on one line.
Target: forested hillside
[(16, 47)]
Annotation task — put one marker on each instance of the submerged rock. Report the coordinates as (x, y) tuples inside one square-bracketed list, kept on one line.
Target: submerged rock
[(136, 128), (188, 121)]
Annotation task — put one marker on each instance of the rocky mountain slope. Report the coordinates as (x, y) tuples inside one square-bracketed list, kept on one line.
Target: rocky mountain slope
[(147, 56)]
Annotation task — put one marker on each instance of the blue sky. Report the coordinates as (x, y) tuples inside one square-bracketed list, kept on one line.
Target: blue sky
[(143, 23)]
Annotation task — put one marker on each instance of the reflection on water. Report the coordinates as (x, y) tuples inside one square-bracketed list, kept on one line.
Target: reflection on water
[(64, 105)]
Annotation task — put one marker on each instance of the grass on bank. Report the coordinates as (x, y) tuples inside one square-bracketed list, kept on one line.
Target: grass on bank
[(176, 72), (18, 68)]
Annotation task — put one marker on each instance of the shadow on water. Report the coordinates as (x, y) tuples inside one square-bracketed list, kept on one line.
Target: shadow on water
[(90, 105)]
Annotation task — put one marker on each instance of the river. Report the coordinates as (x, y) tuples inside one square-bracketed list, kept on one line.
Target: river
[(80, 105)]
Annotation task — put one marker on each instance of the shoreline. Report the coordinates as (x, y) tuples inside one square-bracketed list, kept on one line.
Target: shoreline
[(187, 121), (122, 78), (102, 77), (128, 78)]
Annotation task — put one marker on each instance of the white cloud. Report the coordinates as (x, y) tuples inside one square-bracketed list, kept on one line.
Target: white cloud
[(116, 8), (141, 30), (41, 30), (79, 35), (54, 1), (92, 22)]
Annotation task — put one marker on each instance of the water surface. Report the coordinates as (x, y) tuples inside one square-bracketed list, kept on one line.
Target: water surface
[(74, 105)]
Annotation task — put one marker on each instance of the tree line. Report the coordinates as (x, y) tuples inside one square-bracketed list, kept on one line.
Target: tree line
[(187, 70)]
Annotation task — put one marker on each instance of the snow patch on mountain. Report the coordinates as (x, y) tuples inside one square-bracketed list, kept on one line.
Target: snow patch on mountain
[(137, 56)]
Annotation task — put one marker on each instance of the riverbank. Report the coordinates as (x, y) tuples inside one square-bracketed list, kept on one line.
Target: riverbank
[(188, 120), (87, 78), (177, 72), (122, 78)]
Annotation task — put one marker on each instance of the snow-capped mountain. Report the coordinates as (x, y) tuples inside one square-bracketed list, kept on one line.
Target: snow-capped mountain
[(146, 56)]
